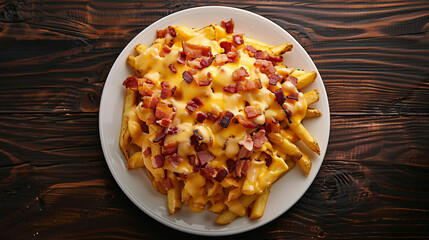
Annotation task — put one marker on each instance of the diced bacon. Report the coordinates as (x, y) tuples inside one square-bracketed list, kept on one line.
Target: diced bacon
[(131, 82), (160, 135), (293, 96), (265, 66), (262, 63), (280, 96), (173, 90), (201, 117), (197, 134), (268, 160), (196, 63), (204, 157), (169, 30), (164, 122), (261, 54), (231, 88), (208, 171), (164, 111), (272, 125), (159, 161), (170, 148), (202, 82), (274, 59), (147, 152), (250, 49), (230, 163), (246, 166), (232, 56), (221, 59), (259, 139), (293, 80), (224, 122), (172, 130), (229, 26), (206, 62), (146, 88), (221, 174), (273, 79), (167, 184), (151, 121), (241, 167), (239, 74), (288, 113), (238, 39), (150, 102), (165, 51), (247, 142), (181, 58), (227, 46), (213, 115), (246, 122), (165, 92), (196, 51), (175, 160), (198, 101), (252, 111), (172, 68), (192, 105), (187, 76)]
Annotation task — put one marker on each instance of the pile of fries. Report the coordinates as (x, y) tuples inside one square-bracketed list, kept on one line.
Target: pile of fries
[(214, 118)]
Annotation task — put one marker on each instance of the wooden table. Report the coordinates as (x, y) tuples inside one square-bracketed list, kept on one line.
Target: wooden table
[(55, 56)]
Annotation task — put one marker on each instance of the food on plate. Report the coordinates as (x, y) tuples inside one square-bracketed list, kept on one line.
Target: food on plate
[(214, 117)]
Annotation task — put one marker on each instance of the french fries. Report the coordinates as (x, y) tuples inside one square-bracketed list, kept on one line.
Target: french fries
[(207, 133)]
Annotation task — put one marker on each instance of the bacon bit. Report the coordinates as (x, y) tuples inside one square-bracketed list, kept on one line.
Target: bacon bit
[(159, 161), (147, 152), (280, 96), (151, 121), (230, 164), (175, 160), (288, 113), (274, 59), (252, 50), (241, 167), (221, 174), (252, 111), (238, 39), (268, 160), (169, 30), (231, 88), (221, 59), (196, 51), (213, 115), (247, 142), (204, 157), (273, 79), (229, 26), (272, 125), (165, 92), (208, 171), (293, 80), (131, 82), (205, 62), (239, 74), (187, 76), (227, 46), (167, 184), (259, 139), (172, 68), (246, 166), (160, 136), (246, 122), (197, 134), (170, 148), (293, 96), (191, 106), (201, 117), (146, 88), (164, 122), (165, 51), (202, 82), (232, 56), (150, 102), (261, 54), (173, 90), (172, 130), (226, 119), (164, 111), (265, 66), (181, 58)]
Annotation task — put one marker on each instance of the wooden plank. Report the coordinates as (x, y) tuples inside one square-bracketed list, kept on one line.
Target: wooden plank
[(54, 183)]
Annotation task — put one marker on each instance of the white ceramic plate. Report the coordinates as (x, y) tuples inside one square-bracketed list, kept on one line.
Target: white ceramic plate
[(137, 186)]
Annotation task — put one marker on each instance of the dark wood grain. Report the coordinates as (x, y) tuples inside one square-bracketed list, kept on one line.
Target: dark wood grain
[(55, 56)]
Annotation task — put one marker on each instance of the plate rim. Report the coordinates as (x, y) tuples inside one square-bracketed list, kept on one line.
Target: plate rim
[(163, 220)]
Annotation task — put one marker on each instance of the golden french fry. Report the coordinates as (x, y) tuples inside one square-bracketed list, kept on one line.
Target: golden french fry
[(259, 205), (306, 137), (236, 207), (305, 164), (135, 161), (311, 96), (306, 79), (124, 137), (173, 195), (208, 31), (312, 113), (140, 48), (285, 146), (226, 217), (281, 49), (195, 205)]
